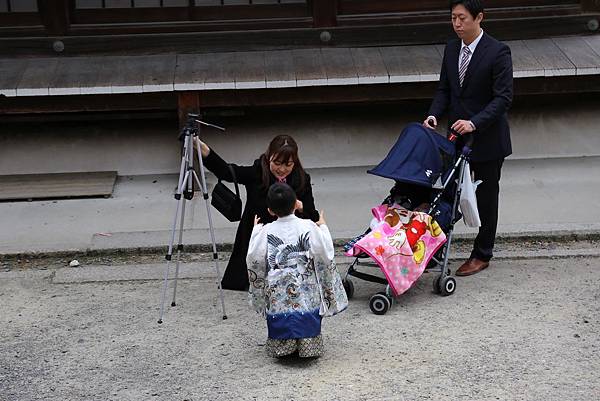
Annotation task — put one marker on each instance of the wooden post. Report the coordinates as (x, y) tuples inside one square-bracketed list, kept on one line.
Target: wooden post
[(187, 102), (324, 13), (55, 16)]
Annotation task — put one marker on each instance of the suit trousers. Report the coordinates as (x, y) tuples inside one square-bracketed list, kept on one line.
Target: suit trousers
[(487, 203)]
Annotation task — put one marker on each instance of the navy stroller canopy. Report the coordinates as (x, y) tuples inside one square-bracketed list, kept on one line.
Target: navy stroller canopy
[(416, 158)]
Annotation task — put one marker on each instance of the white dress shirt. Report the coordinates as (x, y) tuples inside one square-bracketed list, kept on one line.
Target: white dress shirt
[(471, 47)]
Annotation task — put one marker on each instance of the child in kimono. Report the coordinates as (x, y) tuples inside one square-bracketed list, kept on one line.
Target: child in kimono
[(293, 278)]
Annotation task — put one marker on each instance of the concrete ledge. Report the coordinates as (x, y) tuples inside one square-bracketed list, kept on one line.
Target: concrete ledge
[(539, 198)]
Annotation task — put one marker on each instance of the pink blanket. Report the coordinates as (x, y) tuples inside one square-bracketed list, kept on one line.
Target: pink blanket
[(402, 244)]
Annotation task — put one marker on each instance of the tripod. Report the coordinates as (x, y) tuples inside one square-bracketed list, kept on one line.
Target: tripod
[(185, 187)]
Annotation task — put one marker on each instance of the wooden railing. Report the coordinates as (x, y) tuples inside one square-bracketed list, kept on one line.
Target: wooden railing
[(89, 16), (349, 7), (136, 11), (19, 13)]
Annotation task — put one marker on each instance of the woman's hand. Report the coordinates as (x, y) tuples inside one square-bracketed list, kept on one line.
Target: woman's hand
[(299, 206), (201, 147), (256, 220), (321, 218)]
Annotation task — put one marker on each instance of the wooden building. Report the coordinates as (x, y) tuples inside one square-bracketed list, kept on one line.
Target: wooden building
[(95, 86), (97, 60), (190, 54)]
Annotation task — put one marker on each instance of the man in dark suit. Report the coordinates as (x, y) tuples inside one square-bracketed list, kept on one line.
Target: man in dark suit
[(476, 90)]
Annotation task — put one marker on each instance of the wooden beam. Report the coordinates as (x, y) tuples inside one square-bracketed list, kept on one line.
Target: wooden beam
[(557, 85), (205, 13), (385, 6), (194, 101), (590, 5), (55, 16), (417, 33), (88, 103), (349, 94)]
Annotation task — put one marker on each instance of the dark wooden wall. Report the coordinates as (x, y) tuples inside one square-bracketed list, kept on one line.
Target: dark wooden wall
[(282, 24)]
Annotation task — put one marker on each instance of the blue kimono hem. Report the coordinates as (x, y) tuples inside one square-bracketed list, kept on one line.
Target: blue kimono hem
[(285, 326)]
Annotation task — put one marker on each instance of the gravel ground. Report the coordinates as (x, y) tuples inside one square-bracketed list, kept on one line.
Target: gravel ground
[(520, 330)]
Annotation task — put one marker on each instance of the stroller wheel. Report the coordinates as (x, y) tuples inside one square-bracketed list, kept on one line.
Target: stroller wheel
[(389, 295), (349, 287), (379, 304), (447, 286)]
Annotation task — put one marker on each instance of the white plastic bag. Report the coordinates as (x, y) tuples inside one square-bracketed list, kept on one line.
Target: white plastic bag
[(468, 200)]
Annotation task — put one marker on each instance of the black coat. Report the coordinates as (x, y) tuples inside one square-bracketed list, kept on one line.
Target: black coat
[(236, 275), (484, 98)]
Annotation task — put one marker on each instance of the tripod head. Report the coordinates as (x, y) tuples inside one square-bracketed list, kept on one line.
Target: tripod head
[(197, 119), (188, 133), (191, 126)]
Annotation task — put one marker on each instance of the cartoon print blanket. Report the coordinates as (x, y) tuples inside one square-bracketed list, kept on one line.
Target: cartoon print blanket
[(402, 244)]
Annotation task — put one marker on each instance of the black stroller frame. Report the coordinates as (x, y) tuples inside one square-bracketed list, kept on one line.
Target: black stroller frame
[(444, 284)]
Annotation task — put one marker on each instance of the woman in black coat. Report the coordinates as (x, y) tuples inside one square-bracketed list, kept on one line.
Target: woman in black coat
[(280, 163)]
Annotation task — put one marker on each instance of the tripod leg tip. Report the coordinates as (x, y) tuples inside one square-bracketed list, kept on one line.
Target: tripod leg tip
[(159, 321), (173, 304), (224, 317)]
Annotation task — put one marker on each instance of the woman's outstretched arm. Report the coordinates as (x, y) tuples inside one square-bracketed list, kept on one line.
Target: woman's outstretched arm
[(220, 168)]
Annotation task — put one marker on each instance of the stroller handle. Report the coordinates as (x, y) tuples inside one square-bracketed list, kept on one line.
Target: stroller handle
[(453, 134), (469, 138)]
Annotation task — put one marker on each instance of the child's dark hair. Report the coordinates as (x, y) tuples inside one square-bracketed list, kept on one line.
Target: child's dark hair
[(281, 199), (473, 6)]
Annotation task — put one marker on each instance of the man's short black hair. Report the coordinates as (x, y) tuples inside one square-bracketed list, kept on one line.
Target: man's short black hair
[(473, 6), (281, 199)]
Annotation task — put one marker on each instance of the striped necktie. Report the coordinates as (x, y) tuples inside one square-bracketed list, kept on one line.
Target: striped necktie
[(464, 63)]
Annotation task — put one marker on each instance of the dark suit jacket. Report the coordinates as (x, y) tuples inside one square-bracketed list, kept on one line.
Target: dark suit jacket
[(485, 97)]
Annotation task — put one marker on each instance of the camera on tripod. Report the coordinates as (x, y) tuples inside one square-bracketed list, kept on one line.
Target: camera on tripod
[(191, 129)]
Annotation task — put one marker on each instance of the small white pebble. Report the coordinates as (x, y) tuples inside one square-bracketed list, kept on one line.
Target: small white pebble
[(74, 263)]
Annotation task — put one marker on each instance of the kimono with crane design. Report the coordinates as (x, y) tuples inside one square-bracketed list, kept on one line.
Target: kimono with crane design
[(293, 278)]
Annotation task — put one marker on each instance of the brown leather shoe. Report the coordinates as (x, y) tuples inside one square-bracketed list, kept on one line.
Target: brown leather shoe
[(471, 266)]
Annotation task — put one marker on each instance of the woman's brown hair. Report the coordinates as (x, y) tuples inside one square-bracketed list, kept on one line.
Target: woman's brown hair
[(281, 149)]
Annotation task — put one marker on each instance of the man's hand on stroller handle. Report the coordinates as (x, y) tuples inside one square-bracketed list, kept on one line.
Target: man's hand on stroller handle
[(459, 128), (463, 126), (430, 122)]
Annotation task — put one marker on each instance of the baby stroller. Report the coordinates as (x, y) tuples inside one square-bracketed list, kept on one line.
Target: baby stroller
[(428, 176)]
